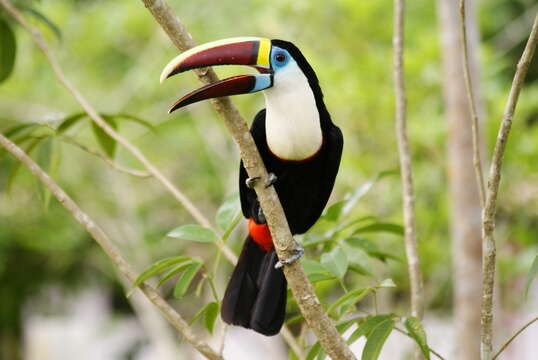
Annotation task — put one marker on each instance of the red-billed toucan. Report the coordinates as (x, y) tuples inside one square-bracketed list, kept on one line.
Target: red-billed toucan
[(301, 148)]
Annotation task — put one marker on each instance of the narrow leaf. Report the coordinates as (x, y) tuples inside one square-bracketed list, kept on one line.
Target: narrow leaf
[(334, 211), (193, 232), (70, 121), (177, 269), (107, 143), (314, 351), (376, 339), (366, 327), (210, 316), (45, 20), (8, 50), (185, 279), (227, 212), (157, 268), (350, 298), (415, 329), (387, 283), (532, 274)]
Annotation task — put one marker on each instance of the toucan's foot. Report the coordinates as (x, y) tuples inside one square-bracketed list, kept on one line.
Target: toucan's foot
[(271, 179), (251, 182), (299, 251)]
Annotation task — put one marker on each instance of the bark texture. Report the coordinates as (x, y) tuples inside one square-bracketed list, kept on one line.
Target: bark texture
[(465, 206)]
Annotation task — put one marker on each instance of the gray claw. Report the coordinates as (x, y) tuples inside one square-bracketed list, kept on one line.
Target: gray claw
[(299, 251), (271, 179), (251, 182)]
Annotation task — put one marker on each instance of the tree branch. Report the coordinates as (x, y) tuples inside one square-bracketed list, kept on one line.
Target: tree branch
[(490, 208), (302, 289), (477, 163), (512, 338), (110, 249), (38, 39), (411, 248)]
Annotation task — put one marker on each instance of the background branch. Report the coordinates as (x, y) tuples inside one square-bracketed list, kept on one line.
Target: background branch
[(110, 249), (477, 163), (302, 289), (512, 338), (490, 209), (411, 249)]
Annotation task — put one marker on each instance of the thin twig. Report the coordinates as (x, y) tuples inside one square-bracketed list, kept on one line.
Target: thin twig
[(302, 289), (477, 162), (38, 39), (513, 337), (411, 248), (106, 159), (109, 248), (488, 216)]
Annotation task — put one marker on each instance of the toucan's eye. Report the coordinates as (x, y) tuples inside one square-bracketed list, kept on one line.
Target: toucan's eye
[(280, 57)]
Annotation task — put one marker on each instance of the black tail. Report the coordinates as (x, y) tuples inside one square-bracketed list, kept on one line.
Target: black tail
[(256, 294)]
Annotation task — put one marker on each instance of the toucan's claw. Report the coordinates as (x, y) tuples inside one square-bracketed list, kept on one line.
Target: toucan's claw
[(271, 179), (251, 182), (299, 251)]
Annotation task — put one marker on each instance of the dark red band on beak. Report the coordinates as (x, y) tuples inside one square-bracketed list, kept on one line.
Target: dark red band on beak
[(241, 53), (231, 86)]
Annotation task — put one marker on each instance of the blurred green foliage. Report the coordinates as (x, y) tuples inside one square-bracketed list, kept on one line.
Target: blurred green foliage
[(114, 51)]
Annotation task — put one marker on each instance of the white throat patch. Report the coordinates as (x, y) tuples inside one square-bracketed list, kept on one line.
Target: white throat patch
[(292, 121)]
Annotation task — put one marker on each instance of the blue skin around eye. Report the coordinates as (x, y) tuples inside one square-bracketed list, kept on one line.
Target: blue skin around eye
[(279, 64)]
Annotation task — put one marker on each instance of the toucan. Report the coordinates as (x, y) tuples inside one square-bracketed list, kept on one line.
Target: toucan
[(300, 147)]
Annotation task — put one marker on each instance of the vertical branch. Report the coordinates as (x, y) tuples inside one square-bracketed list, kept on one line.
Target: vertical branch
[(477, 163), (490, 208), (302, 289), (411, 250), (110, 249)]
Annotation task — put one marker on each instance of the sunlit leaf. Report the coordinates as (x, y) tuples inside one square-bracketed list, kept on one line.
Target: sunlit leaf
[(108, 144), (177, 269), (371, 248), (157, 268), (8, 50), (334, 211), (350, 298), (533, 271), (132, 118), (380, 227), (387, 283), (415, 329), (314, 351), (227, 212), (366, 327), (376, 339), (185, 279), (210, 316), (193, 232), (335, 261)]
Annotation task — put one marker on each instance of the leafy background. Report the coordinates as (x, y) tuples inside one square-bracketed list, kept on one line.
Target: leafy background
[(114, 52)]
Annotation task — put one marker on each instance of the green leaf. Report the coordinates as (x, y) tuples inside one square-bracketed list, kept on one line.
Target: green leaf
[(334, 211), (387, 283), (350, 298), (18, 165), (532, 274), (359, 269), (49, 160), (415, 329), (335, 261), (366, 327), (45, 20), (177, 269), (227, 212), (314, 351), (311, 240), (157, 268), (69, 121), (376, 339), (185, 279), (107, 143), (132, 118), (371, 249), (380, 227), (210, 316), (193, 232), (20, 129), (8, 50)]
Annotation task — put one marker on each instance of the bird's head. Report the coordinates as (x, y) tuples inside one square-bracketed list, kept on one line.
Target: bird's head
[(280, 64)]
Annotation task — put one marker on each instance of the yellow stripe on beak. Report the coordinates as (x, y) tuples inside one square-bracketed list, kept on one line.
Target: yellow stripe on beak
[(264, 52)]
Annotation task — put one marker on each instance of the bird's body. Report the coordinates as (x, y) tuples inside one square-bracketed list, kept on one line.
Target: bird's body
[(298, 143)]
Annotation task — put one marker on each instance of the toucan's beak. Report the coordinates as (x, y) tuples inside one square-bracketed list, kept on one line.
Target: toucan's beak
[(236, 51)]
